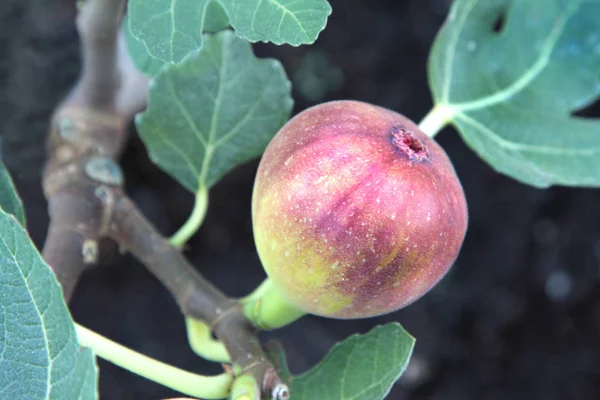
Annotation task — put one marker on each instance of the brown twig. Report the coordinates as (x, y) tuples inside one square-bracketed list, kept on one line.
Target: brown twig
[(84, 187), (98, 25), (82, 146), (195, 295)]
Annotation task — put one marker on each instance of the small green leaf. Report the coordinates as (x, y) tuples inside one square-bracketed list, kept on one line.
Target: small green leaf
[(9, 199), (512, 93), (362, 367), (171, 29), (40, 357), (217, 109)]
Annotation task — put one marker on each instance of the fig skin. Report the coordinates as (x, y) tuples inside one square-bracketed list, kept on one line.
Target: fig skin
[(356, 212)]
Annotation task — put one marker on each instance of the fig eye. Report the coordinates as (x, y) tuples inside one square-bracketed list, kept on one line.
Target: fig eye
[(409, 145)]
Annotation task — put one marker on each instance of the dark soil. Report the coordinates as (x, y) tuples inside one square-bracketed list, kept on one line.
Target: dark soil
[(518, 317)]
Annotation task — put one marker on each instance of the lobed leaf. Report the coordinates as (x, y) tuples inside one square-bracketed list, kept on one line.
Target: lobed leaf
[(217, 109), (512, 92), (171, 29), (40, 357), (362, 367)]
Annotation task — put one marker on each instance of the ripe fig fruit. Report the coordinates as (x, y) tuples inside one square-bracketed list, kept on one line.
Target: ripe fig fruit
[(356, 212)]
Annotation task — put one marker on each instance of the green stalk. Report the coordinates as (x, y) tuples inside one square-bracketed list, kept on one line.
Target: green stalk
[(436, 119), (202, 342), (195, 219), (268, 308), (245, 388), (260, 291), (206, 387)]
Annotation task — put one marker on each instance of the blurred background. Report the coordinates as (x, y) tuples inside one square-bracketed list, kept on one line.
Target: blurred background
[(518, 316)]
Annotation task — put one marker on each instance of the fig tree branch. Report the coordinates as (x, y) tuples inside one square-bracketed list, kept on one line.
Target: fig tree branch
[(86, 132), (98, 26), (83, 184)]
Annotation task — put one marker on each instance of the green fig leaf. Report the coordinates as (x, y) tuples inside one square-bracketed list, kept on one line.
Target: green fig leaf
[(362, 367), (510, 75), (215, 18), (142, 60), (171, 29), (9, 199), (40, 357), (217, 109), (294, 22)]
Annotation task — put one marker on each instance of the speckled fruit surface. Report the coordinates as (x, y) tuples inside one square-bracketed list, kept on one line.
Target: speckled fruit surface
[(356, 212)]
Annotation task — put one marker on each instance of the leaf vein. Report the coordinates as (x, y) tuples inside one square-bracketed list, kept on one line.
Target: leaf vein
[(451, 50), (186, 115), (42, 322), (245, 119), (291, 14)]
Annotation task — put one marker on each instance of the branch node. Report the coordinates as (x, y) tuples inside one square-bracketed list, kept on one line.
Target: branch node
[(89, 251), (66, 128), (273, 385), (221, 314), (280, 392), (104, 170), (107, 197)]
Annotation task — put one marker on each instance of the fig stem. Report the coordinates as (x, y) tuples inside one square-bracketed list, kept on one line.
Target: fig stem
[(436, 119), (193, 223), (202, 343), (268, 308), (190, 384), (260, 291)]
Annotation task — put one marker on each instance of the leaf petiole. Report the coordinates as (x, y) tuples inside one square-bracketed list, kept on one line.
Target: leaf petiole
[(202, 343), (195, 219), (207, 387), (245, 388), (436, 119)]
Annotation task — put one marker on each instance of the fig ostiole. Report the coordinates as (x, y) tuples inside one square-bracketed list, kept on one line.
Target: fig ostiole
[(356, 213)]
